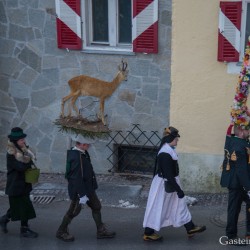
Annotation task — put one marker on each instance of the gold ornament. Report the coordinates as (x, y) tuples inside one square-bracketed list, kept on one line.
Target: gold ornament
[(228, 157), (233, 156), (248, 152)]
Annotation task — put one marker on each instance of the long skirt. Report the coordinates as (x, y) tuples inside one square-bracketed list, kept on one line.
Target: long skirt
[(21, 208), (165, 209)]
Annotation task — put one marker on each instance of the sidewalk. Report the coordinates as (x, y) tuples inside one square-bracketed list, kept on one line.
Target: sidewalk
[(123, 200), (112, 188)]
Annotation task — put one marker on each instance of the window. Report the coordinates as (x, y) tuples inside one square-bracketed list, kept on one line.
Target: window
[(108, 25), (234, 30), (245, 26)]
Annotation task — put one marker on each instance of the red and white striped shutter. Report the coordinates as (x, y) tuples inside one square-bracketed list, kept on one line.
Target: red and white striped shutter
[(68, 24), (145, 26), (229, 31)]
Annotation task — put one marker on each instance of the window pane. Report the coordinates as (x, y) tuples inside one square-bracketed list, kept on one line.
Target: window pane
[(247, 24), (125, 31), (100, 20)]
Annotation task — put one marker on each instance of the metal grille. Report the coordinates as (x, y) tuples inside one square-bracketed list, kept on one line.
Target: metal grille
[(137, 142), (43, 199)]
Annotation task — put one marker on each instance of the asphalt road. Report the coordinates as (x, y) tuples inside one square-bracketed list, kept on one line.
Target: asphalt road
[(127, 222)]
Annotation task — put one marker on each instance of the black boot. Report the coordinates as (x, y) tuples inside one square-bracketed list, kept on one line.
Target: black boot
[(28, 233), (3, 223)]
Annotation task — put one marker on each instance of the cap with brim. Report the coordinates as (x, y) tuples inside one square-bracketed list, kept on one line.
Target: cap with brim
[(16, 135), (83, 140)]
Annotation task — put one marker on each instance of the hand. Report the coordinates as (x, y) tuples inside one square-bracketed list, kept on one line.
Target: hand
[(248, 194), (83, 200), (180, 194)]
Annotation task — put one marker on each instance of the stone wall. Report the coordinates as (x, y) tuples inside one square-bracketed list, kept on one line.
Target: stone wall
[(34, 75)]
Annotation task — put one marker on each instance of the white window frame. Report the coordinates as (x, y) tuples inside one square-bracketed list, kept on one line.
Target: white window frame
[(243, 26), (113, 45), (232, 67)]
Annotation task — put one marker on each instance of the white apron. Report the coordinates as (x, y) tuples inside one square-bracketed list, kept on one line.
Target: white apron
[(165, 209)]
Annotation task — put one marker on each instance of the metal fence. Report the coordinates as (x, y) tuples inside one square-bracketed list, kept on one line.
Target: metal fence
[(133, 151)]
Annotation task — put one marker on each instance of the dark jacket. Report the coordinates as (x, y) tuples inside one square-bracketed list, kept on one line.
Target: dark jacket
[(81, 177), (16, 185), (169, 169), (237, 175)]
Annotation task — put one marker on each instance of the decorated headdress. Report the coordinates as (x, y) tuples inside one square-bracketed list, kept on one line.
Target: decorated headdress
[(170, 133), (240, 114)]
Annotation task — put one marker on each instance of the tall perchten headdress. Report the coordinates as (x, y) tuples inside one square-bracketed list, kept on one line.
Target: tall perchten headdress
[(240, 114)]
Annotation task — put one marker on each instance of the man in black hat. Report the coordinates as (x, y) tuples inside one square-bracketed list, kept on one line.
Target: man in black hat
[(19, 159), (236, 177), (81, 188)]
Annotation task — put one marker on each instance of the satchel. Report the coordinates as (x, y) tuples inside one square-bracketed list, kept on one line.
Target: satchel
[(168, 187), (32, 175)]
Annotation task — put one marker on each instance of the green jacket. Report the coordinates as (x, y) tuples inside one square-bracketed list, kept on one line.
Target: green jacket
[(236, 169), (80, 174)]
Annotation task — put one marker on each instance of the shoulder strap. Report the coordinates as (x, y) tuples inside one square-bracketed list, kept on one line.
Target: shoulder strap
[(155, 168), (81, 163)]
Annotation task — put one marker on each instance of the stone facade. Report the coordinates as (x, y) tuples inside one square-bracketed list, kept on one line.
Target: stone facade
[(34, 75)]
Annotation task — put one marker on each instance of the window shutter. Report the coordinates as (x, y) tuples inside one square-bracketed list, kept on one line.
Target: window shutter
[(145, 26), (68, 24), (229, 31)]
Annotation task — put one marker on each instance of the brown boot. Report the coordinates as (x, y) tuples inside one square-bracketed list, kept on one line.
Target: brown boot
[(65, 236), (103, 232), (63, 232)]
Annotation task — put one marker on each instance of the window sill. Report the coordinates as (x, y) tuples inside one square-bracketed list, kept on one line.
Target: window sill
[(108, 52), (234, 67)]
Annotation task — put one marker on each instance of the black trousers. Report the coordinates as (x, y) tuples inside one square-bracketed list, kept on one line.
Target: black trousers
[(235, 199)]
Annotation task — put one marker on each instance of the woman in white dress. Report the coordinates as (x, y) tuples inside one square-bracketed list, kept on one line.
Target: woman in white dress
[(165, 205)]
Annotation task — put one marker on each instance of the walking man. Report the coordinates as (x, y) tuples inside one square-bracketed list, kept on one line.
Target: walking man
[(81, 188)]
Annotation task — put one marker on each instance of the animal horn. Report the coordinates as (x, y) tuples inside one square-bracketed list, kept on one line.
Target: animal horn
[(124, 65), (120, 66)]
